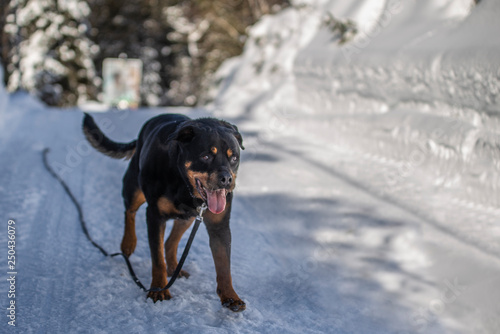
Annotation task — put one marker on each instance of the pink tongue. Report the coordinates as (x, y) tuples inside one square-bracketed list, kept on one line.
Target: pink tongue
[(216, 200)]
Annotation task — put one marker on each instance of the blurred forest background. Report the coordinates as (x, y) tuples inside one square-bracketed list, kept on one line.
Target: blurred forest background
[(55, 48)]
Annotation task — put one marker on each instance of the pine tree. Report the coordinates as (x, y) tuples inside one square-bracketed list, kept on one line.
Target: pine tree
[(48, 51)]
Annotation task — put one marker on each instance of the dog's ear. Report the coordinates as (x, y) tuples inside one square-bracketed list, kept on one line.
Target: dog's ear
[(185, 133), (236, 133)]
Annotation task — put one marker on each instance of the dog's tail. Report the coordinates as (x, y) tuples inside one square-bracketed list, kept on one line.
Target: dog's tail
[(105, 145)]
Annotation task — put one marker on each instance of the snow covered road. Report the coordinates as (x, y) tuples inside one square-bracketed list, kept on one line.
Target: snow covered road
[(315, 249)]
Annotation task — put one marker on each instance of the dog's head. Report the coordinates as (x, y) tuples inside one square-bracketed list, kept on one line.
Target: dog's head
[(209, 155)]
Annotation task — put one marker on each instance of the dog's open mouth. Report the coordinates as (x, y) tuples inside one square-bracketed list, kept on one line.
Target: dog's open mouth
[(216, 199)]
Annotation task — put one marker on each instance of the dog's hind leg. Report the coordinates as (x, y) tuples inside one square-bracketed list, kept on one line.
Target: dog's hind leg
[(133, 198), (129, 240), (172, 243)]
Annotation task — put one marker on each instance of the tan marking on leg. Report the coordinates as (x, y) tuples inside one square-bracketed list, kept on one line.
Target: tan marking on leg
[(225, 288), (228, 297), (172, 244), (159, 271), (129, 240)]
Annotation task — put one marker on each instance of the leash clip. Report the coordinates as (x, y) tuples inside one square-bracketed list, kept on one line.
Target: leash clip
[(201, 209)]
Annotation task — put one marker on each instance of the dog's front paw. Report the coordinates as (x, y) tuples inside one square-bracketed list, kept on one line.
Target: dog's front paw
[(159, 295), (234, 305), (128, 244)]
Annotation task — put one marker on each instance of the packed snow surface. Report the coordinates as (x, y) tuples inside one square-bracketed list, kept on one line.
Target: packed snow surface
[(367, 198)]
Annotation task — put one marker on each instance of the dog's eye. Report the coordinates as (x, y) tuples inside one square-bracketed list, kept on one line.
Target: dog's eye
[(205, 158), (234, 159)]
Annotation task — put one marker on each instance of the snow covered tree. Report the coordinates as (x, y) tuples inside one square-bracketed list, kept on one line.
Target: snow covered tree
[(48, 52)]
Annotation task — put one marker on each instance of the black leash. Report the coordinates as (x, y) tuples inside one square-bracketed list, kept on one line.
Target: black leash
[(197, 222)]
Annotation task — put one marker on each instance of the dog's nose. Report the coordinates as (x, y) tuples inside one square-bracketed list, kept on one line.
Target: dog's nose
[(225, 179)]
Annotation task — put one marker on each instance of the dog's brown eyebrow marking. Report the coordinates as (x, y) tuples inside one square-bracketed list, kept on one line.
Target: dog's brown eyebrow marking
[(229, 153), (213, 149)]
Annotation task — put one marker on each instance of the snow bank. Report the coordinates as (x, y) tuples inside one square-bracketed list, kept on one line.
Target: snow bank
[(419, 76)]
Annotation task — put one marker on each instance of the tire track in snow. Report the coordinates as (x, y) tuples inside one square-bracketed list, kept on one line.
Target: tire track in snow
[(51, 272)]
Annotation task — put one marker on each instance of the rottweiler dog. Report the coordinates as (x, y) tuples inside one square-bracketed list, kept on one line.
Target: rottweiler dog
[(176, 165)]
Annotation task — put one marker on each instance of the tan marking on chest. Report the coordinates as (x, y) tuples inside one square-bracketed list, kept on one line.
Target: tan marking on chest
[(166, 207)]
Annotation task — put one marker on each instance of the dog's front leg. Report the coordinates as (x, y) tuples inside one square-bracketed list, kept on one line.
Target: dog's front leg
[(156, 231), (220, 244)]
